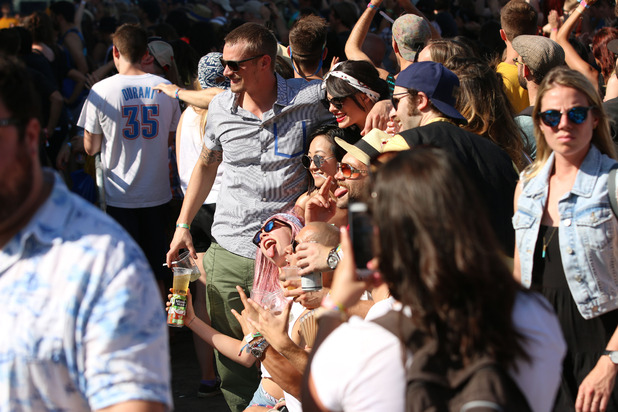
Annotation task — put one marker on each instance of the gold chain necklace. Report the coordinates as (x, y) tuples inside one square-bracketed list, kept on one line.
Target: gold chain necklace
[(546, 243)]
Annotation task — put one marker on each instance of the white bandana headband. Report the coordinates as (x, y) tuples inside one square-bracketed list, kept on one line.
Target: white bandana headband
[(352, 82)]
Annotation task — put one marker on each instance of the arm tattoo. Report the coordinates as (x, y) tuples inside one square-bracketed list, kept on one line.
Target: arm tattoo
[(211, 156)]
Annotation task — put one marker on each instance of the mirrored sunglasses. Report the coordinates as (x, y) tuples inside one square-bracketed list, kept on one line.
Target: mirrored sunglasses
[(268, 227), (577, 115)]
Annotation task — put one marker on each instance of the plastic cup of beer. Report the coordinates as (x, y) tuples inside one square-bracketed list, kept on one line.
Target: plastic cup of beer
[(185, 261), (291, 273)]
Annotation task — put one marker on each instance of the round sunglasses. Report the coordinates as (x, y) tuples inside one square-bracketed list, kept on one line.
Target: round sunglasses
[(317, 160), (350, 172), (268, 227), (576, 115)]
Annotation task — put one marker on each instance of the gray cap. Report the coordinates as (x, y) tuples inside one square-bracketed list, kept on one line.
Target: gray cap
[(539, 53)]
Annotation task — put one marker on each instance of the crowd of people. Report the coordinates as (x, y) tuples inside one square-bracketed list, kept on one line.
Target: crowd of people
[(477, 141)]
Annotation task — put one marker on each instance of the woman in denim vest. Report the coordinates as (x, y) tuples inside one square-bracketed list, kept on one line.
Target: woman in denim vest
[(567, 235)]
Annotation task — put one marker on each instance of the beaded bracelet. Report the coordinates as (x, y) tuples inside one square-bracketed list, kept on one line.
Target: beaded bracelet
[(176, 94), (183, 225)]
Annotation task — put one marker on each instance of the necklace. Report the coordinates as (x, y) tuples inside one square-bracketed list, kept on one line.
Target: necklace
[(546, 243)]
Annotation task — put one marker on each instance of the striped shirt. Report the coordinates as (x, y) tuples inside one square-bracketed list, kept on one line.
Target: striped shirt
[(263, 173)]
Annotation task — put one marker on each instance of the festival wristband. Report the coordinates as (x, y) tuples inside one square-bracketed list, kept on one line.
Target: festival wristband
[(183, 225), (329, 303), (371, 6), (176, 94)]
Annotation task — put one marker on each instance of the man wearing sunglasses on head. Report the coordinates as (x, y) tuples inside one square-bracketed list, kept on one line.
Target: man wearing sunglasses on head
[(258, 130), (424, 109)]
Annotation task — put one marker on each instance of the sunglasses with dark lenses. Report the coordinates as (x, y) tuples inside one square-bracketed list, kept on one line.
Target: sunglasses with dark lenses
[(234, 64), (294, 244), (337, 102), (268, 227), (576, 115), (350, 172), (395, 101), (317, 160)]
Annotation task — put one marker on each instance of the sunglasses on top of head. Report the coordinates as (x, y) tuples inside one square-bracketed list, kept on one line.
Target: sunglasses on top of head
[(234, 64), (350, 172), (268, 227), (577, 115), (317, 160)]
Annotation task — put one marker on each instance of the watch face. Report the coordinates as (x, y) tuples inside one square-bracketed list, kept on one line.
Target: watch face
[(613, 355), (332, 260)]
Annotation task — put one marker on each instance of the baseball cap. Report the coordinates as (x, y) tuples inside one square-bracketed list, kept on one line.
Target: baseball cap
[(210, 72), (367, 148), (162, 52), (225, 4), (410, 32), (539, 53), (436, 81)]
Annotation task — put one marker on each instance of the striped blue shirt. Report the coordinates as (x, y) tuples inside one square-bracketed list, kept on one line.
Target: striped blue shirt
[(263, 173)]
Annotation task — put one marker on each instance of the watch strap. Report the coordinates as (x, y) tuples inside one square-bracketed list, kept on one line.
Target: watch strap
[(613, 355)]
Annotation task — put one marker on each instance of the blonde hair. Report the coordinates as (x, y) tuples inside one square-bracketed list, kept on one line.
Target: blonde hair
[(601, 137)]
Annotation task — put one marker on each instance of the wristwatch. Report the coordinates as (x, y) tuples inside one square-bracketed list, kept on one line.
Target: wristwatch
[(333, 259), (613, 355), (258, 349)]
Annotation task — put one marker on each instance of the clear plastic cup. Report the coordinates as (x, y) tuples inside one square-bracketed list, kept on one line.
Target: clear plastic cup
[(187, 264), (275, 302)]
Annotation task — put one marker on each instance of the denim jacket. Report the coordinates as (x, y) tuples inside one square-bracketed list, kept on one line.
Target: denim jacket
[(588, 233)]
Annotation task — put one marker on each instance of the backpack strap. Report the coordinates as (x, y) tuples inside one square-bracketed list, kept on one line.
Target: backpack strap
[(611, 189)]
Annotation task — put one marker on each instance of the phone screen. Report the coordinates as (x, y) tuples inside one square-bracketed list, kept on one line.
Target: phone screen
[(361, 233)]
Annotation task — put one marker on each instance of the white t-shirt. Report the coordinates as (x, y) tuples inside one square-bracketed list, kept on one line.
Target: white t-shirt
[(191, 137), (358, 368), (538, 380), (135, 121), (360, 355)]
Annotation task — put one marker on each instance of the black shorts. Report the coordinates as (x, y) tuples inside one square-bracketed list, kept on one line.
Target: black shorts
[(147, 227), (200, 228)]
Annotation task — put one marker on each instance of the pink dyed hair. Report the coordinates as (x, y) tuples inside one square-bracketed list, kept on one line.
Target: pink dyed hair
[(266, 274)]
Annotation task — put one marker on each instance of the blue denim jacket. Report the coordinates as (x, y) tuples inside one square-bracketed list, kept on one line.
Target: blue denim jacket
[(588, 233)]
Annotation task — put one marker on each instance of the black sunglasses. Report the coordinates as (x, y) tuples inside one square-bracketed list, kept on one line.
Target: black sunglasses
[(350, 172), (337, 102), (234, 64), (294, 244), (317, 160), (395, 101), (268, 227), (576, 115)]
